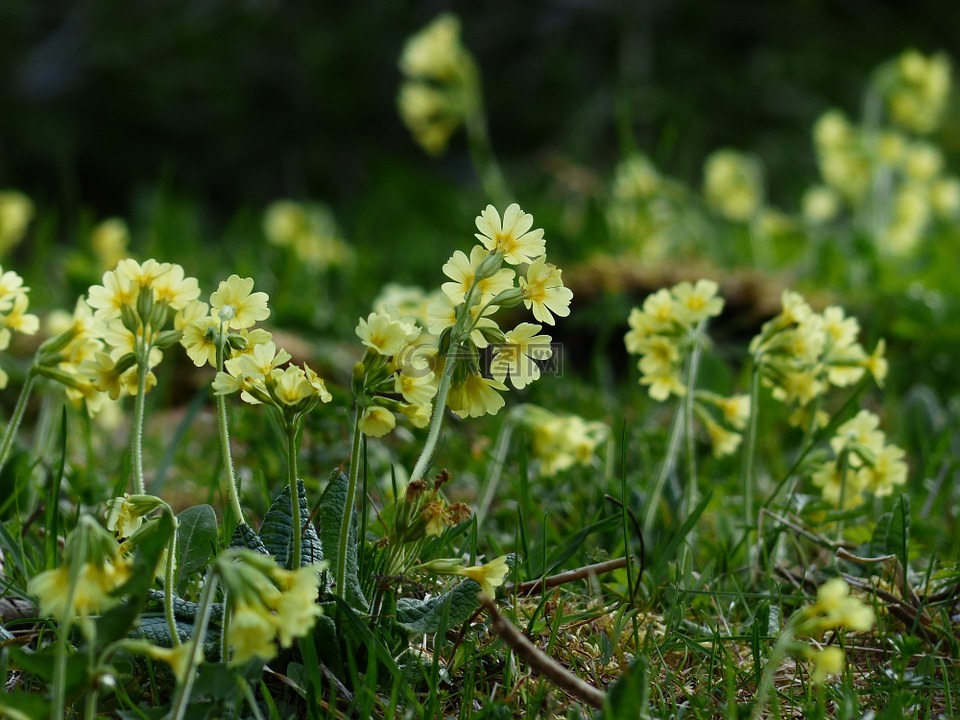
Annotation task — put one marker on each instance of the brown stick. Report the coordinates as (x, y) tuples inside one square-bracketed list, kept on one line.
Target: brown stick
[(533, 586), (538, 660)]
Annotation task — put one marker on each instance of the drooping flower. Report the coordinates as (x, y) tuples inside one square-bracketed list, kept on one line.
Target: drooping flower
[(490, 576), (517, 357)]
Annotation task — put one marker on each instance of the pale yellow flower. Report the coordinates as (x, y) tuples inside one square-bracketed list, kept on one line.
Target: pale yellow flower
[(123, 517), (177, 658), (116, 293), (234, 302), (462, 272), (296, 607), (476, 396), (174, 289), (837, 608), (290, 385), (199, 339), (418, 415), (886, 471), (385, 334), (109, 240), (251, 632), (664, 384), (490, 576), (517, 356), (377, 421), (513, 236), (722, 441), (435, 52), (860, 432), (698, 302), (417, 388), (442, 314), (543, 291), (16, 211), (826, 661)]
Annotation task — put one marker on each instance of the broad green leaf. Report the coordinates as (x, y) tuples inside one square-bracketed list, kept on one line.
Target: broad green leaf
[(196, 541), (246, 537), (277, 528), (155, 629), (449, 610), (330, 516)]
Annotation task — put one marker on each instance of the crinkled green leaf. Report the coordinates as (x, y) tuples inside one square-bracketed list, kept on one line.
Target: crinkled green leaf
[(330, 516), (185, 610), (155, 629), (328, 644), (246, 537), (276, 532), (196, 541), (444, 611)]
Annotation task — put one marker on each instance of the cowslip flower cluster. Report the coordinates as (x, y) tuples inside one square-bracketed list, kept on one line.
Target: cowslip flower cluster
[(394, 375), (462, 321), (834, 609), (268, 606), (733, 184), (800, 354), (135, 308), (440, 87), (14, 317), (16, 212), (561, 441), (863, 463), (916, 88), (309, 230), (109, 241), (94, 558)]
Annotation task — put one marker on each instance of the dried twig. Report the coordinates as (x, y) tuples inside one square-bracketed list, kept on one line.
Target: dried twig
[(531, 587), (539, 661)]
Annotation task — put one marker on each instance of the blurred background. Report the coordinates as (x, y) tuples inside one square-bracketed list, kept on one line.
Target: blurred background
[(236, 103)]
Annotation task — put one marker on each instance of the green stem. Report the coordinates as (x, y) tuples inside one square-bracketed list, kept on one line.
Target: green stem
[(666, 468), (770, 670), (749, 447), (90, 706), (233, 491), (136, 435), (439, 406), (348, 504), (11, 432), (291, 427), (168, 588), (179, 705), (495, 469), (693, 367)]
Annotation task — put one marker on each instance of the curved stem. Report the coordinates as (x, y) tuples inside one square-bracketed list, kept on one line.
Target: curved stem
[(233, 491), (11, 431), (348, 504), (673, 447), (749, 447), (439, 405), (291, 427), (179, 705)]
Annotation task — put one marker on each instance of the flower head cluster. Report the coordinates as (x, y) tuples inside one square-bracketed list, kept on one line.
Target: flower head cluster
[(268, 605), (561, 441), (13, 312), (109, 241), (733, 184), (135, 308), (440, 85), (461, 320), (800, 354), (309, 230), (665, 329), (916, 90), (834, 609), (863, 463), (395, 374), (421, 511), (16, 211), (85, 583)]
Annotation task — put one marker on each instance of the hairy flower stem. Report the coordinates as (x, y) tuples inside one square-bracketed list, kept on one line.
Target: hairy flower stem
[(136, 434), (439, 405), (749, 447), (693, 367), (348, 504), (14, 425), (179, 705), (233, 491), (291, 427), (666, 468)]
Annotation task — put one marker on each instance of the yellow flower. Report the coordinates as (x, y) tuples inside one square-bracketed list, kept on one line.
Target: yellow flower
[(513, 236), (463, 270), (860, 433), (820, 204), (517, 356), (174, 289), (417, 388), (199, 339), (385, 334), (18, 319), (435, 52), (377, 421), (109, 241), (296, 607), (476, 396), (177, 658), (663, 384), (16, 211), (116, 293), (698, 302), (826, 661), (544, 293), (489, 576), (876, 364), (836, 608), (122, 517), (442, 314), (317, 384), (103, 372), (251, 632), (290, 385), (418, 415), (886, 471), (234, 302), (723, 441), (92, 591)]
